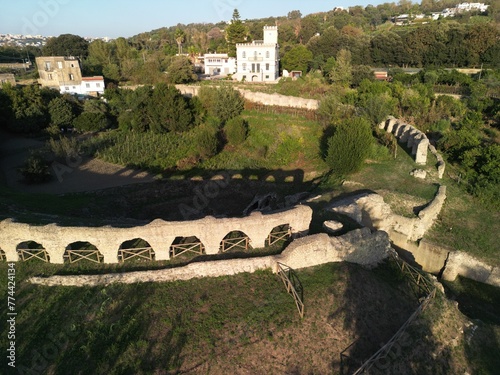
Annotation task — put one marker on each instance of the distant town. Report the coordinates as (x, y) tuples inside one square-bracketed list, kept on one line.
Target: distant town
[(19, 40)]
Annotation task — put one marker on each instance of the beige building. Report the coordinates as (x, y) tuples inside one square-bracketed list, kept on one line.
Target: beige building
[(58, 71)]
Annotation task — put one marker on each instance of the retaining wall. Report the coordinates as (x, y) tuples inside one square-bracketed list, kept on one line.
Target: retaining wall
[(260, 97), (159, 234), (359, 246)]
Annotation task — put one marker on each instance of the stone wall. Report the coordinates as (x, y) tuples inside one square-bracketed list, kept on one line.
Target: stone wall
[(460, 263), (261, 98), (370, 210), (159, 234), (359, 246), (415, 140)]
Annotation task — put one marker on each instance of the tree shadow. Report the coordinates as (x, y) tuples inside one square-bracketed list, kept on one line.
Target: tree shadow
[(375, 311)]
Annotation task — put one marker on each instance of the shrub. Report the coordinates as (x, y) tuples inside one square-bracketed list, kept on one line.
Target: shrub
[(206, 139), (229, 103), (90, 121), (65, 147), (236, 131), (35, 169), (349, 146)]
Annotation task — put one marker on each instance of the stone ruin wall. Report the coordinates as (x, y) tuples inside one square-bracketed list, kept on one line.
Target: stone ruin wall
[(159, 234), (371, 211), (261, 98), (359, 246), (415, 140)]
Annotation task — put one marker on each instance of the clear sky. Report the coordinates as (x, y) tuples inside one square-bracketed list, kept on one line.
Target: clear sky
[(114, 18)]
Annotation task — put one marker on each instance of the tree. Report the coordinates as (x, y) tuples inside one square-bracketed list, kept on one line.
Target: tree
[(236, 130), (61, 112), (236, 32), (180, 37), (341, 72), (66, 45), (229, 103), (168, 110), (90, 121), (223, 103), (297, 58), (349, 146), (181, 70)]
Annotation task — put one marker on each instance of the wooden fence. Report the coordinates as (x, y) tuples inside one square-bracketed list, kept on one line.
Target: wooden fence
[(292, 285), (179, 249), (142, 253), (74, 256), (235, 243), (425, 285), (27, 254), (283, 232)]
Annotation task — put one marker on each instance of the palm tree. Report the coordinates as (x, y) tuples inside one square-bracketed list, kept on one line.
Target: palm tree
[(180, 37)]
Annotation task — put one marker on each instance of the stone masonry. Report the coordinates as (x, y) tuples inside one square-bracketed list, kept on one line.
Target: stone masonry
[(159, 234)]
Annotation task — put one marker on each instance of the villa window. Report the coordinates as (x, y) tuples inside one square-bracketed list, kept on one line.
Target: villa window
[(98, 85), (87, 85), (267, 66), (244, 55), (244, 66), (267, 54), (71, 77)]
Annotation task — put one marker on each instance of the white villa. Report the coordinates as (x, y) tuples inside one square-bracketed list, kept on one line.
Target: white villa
[(91, 86), (259, 61), (219, 64)]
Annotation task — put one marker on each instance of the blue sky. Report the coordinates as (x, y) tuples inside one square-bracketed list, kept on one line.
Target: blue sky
[(126, 18)]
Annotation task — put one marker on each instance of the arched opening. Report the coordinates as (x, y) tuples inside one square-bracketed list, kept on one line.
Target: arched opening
[(82, 251), (255, 78), (2, 255), (279, 235), (235, 240), (31, 250), (136, 249), (185, 245)]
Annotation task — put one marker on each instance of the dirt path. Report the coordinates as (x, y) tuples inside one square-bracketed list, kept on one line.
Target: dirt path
[(68, 177)]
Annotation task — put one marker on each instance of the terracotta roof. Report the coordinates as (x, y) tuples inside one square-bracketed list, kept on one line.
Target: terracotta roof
[(95, 78)]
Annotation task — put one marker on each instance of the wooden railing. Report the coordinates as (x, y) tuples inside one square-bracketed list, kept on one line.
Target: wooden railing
[(283, 233), (292, 285), (27, 254), (179, 249), (145, 253), (73, 256), (426, 286), (235, 243)]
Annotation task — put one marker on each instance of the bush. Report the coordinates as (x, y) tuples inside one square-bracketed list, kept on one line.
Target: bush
[(206, 139), (236, 131), (90, 121), (35, 169), (65, 147), (349, 146), (228, 104)]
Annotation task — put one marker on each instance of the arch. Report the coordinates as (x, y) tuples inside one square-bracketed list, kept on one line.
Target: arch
[(235, 240), (137, 249), (78, 251), (32, 250), (182, 245), (280, 233), (255, 78)]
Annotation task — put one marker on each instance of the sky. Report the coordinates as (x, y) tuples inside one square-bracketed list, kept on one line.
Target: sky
[(126, 18)]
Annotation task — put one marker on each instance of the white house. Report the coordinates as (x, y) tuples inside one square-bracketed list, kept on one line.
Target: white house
[(92, 86), (259, 61), (219, 64)]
